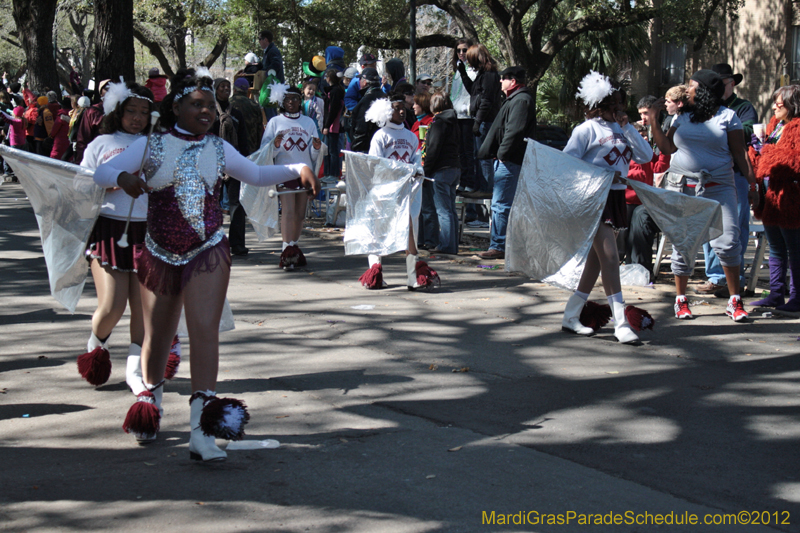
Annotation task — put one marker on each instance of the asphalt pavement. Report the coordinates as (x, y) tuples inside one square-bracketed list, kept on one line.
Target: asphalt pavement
[(458, 410)]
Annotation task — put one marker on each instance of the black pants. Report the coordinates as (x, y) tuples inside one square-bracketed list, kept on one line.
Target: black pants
[(238, 216), (642, 231)]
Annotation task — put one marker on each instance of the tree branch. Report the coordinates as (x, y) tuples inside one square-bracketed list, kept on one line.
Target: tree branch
[(499, 13), (700, 40), (216, 51), (455, 10), (155, 49)]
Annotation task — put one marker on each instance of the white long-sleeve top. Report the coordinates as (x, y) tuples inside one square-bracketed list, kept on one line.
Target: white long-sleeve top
[(235, 165), (394, 141), (117, 202), (297, 146), (605, 144)]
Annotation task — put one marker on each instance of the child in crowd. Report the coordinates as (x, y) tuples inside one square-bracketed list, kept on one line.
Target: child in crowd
[(185, 260), (313, 105)]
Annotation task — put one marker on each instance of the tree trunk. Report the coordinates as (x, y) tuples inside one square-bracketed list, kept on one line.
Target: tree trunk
[(221, 46), (34, 20), (113, 40)]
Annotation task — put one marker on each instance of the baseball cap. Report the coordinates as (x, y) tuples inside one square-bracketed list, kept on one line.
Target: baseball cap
[(367, 59)]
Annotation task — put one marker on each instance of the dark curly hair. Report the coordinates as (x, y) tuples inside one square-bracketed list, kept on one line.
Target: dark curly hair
[(185, 77), (112, 123), (705, 105)]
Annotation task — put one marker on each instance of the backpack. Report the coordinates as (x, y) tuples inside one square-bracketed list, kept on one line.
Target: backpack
[(227, 126)]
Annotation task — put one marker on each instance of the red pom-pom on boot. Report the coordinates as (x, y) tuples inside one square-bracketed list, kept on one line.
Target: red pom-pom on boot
[(638, 318), (174, 360), (373, 277), (143, 418), (95, 366), (292, 257), (426, 276), (595, 315)]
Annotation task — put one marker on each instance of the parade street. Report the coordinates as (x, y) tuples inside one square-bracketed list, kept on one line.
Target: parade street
[(458, 410)]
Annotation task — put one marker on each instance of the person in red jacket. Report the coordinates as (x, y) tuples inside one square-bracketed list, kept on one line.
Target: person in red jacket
[(90, 123), (777, 168), (60, 134), (642, 229), (157, 83)]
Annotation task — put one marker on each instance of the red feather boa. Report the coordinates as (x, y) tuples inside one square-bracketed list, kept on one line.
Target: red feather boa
[(781, 163)]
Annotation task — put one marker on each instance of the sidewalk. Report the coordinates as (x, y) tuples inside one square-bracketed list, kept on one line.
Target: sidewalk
[(399, 411)]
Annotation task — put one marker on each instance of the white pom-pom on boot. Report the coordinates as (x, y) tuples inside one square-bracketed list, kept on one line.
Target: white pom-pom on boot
[(133, 369), (622, 330), (201, 446), (572, 317)]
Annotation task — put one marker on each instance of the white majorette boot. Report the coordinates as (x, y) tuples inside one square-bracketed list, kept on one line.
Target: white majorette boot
[(622, 330), (212, 417), (95, 365), (572, 317), (411, 268), (133, 369), (144, 416)]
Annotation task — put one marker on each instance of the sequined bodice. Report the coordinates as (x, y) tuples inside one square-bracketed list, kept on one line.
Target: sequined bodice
[(184, 215)]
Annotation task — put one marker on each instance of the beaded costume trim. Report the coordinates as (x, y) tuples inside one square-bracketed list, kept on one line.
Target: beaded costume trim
[(178, 259)]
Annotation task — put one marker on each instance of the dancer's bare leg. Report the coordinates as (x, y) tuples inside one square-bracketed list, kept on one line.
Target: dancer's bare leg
[(293, 211), (112, 298), (602, 258), (161, 317), (412, 241), (203, 298), (137, 315)]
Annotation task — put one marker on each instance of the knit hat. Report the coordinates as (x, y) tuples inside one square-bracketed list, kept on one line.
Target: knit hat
[(84, 101), (153, 72), (241, 83), (710, 79), (42, 100), (251, 58)]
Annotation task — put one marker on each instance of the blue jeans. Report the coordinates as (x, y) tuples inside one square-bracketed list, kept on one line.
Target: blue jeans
[(445, 182), (428, 220), (468, 178), (714, 271), (784, 244), (485, 166), (332, 161), (506, 176)]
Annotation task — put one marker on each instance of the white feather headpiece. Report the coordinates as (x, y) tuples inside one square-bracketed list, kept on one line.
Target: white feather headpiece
[(380, 112), (202, 72), (594, 88), (118, 93), (277, 92)]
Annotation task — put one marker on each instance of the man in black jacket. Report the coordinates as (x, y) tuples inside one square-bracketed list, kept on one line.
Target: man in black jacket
[(362, 129), (505, 143)]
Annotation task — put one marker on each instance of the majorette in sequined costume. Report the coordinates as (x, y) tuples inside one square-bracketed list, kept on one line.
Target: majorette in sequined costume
[(185, 237)]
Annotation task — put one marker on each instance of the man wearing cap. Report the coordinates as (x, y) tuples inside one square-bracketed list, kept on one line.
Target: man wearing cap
[(505, 143), (748, 116), (363, 130), (90, 123), (424, 83), (353, 93)]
